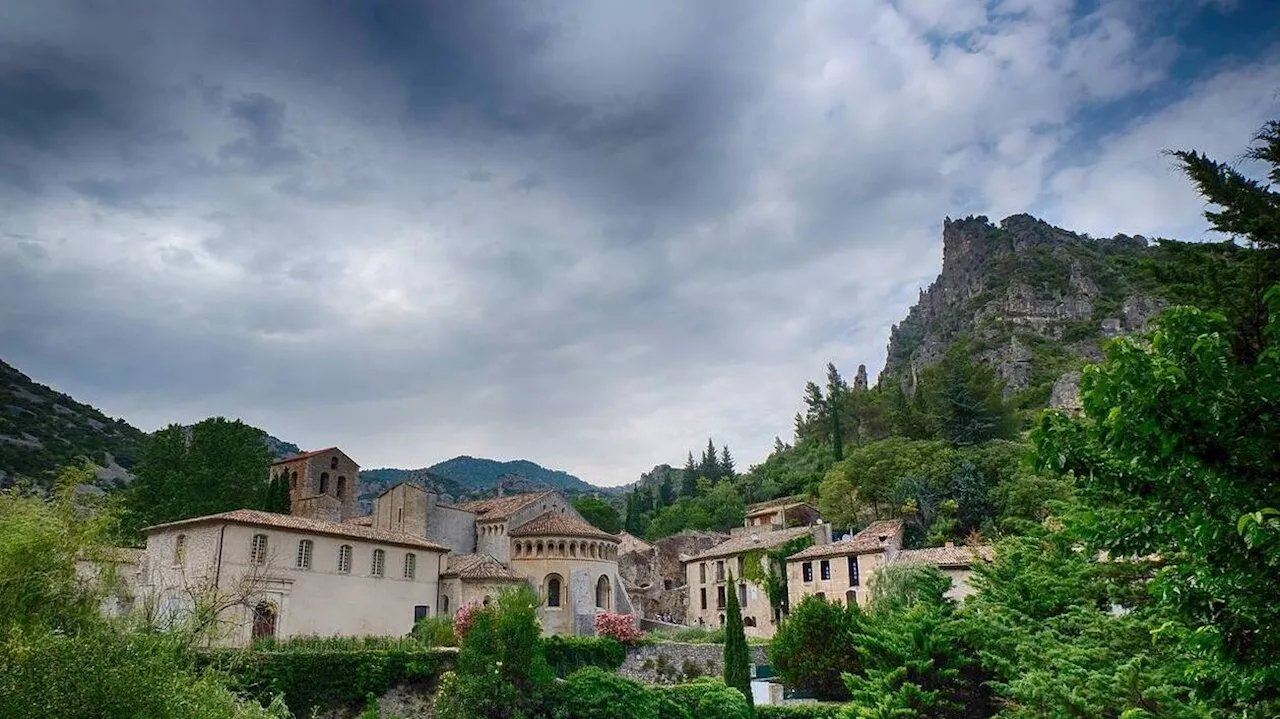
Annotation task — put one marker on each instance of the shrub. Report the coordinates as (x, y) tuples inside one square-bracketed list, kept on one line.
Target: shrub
[(690, 635), (621, 627), (569, 654), (463, 619), (708, 699), (594, 693), (816, 643), (435, 632), (800, 711)]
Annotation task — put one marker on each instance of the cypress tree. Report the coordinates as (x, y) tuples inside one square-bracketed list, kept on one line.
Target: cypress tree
[(710, 463), (689, 478), (737, 661), (726, 463)]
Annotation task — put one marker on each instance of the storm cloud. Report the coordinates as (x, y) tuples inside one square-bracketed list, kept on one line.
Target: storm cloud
[(590, 234)]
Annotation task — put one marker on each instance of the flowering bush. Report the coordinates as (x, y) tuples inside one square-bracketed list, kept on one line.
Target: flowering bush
[(618, 626), (464, 619)]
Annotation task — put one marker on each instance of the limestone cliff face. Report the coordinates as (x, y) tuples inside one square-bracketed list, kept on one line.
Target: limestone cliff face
[(1032, 300)]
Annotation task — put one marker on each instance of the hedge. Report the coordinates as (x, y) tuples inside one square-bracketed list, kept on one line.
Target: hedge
[(326, 678), (707, 699), (799, 711), (569, 654)]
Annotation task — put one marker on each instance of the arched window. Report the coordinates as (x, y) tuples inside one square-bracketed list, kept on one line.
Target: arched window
[(604, 593), (333, 463), (444, 604), (850, 597), (410, 565), (379, 563), (304, 554), (553, 590), (180, 549), (258, 549), (324, 482), (293, 479), (539, 550), (748, 621), (342, 486), (573, 549), (264, 621), (344, 559)]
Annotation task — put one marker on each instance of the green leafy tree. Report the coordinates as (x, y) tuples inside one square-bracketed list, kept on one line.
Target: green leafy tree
[(737, 658), (594, 693), (816, 644), (599, 513), (276, 495), (864, 482)]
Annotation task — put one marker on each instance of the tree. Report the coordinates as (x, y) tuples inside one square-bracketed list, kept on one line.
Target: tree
[(710, 464), (737, 659), (838, 394), (816, 644), (276, 495), (599, 513), (726, 463), (689, 478), (667, 489)]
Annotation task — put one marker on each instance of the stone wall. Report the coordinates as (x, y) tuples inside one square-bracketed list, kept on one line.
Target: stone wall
[(673, 663)]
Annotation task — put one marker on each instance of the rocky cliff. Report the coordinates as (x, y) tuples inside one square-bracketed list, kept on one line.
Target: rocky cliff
[(1032, 300)]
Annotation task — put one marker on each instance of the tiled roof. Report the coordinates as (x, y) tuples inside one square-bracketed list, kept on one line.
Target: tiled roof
[(864, 542), (752, 540), (501, 507), (255, 518), (946, 556), (559, 525), (308, 455), (477, 566), (773, 504), (364, 520)]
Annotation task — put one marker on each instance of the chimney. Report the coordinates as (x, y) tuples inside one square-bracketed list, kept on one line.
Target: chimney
[(950, 545)]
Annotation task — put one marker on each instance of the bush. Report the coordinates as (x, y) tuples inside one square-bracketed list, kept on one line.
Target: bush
[(464, 618), (799, 711), (435, 632), (349, 675), (708, 699), (621, 627), (816, 644), (594, 693), (690, 635), (569, 654)]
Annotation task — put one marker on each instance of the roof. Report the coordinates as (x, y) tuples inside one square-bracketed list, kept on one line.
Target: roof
[(871, 539), (364, 520), (559, 524), (255, 518), (946, 556), (751, 540), (501, 507), (773, 504), (477, 566), (308, 455)]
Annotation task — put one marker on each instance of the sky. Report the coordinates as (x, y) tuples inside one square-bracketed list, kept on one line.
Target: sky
[(590, 234)]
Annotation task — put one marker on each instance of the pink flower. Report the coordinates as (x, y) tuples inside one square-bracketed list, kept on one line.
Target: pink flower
[(464, 619), (619, 626)]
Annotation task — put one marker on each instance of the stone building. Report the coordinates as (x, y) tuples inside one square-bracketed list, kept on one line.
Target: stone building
[(844, 570), (654, 575), (781, 513), (322, 484), (955, 562), (744, 556)]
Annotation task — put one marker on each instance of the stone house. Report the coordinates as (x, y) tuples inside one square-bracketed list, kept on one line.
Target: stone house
[(744, 556), (845, 570), (955, 562), (781, 513)]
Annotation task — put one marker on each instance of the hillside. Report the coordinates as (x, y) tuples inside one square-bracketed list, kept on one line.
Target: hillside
[(1036, 302), (465, 476), (42, 429)]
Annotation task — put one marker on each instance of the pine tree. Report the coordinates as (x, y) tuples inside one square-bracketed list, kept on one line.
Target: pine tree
[(726, 463), (689, 478), (710, 463), (667, 489), (837, 395), (737, 660)]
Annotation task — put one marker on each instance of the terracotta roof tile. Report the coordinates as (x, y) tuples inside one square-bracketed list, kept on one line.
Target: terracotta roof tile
[(864, 542), (773, 504), (946, 556), (255, 518), (501, 507), (559, 524), (307, 455), (477, 566), (751, 540), (364, 520)]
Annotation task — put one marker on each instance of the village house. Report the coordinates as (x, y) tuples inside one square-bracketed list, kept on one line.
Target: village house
[(844, 570), (781, 513), (955, 562), (325, 570)]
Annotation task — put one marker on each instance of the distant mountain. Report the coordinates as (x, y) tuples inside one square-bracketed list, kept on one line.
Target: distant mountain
[(472, 477), (42, 430)]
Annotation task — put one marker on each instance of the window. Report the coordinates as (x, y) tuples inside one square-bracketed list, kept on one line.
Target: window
[(720, 598), (258, 549), (742, 566), (324, 482), (264, 621), (850, 597), (342, 486), (180, 549), (702, 572), (410, 565), (666, 584), (400, 515), (304, 554), (807, 568), (379, 562), (742, 595), (444, 605), (825, 569), (333, 463), (293, 480), (553, 590), (748, 621), (720, 571), (822, 595), (704, 597), (604, 593), (421, 612), (344, 559), (853, 571)]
